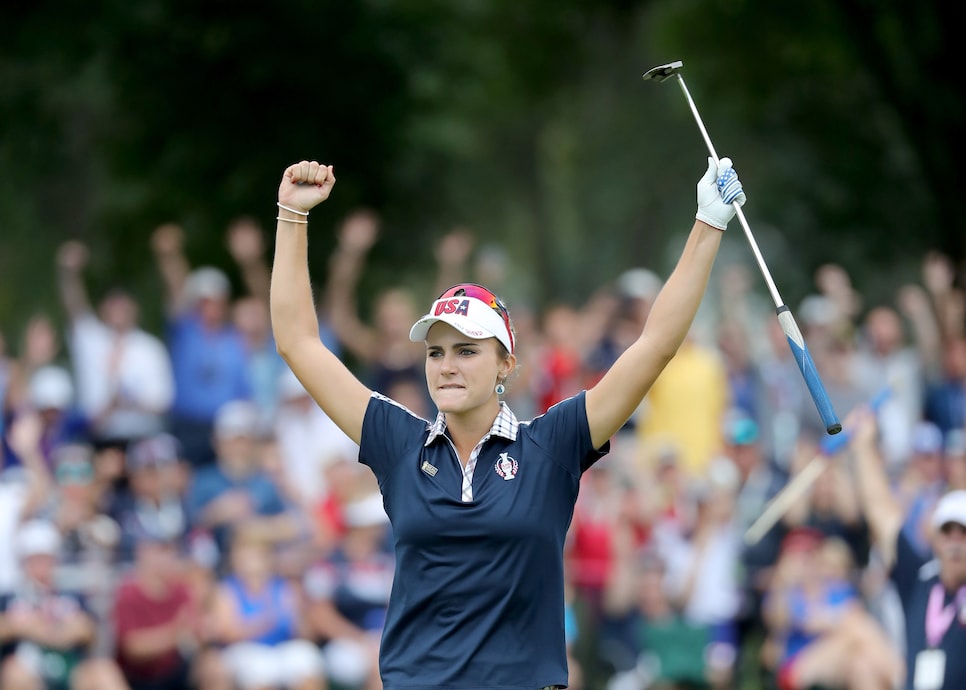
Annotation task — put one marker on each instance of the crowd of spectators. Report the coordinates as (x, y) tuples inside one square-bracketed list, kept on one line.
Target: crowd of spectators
[(175, 511)]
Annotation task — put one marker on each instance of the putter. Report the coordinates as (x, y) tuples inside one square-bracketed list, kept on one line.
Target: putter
[(788, 324)]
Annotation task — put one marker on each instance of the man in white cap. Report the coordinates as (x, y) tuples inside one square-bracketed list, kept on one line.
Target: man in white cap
[(932, 588), (208, 356), (46, 633)]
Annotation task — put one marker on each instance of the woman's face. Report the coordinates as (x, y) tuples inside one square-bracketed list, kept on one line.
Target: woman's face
[(462, 372)]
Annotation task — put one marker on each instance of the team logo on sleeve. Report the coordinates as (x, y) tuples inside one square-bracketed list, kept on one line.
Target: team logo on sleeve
[(506, 467)]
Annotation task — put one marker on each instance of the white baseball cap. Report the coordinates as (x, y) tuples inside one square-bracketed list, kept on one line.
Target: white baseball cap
[(951, 508), (236, 418), (472, 310), (38, 538), (50, 388), (206, 282)]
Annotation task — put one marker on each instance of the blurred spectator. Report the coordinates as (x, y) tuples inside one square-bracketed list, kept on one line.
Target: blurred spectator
[(45, 632), (744, 379), (260, 619), (6, 374), (600, 517), (948, 299), (245, 242), (452, 253), (153, 504), (922, 483), (667, 495), (884, 358), (50, 394), (830, 505), (346, 480), (22, 491), (913, 302), (955, 449), (39, 347), (825, 636), (560, 373), (236, 489), (89, 536), (835, 284), (945, 403), (124, 381), (931, 587), (264, 365), (622, 312), (702, 577), (671, 652), (207, 352), (758, 483), (308, 441), (785, 401), (384, 348), (348, 596), (685, 406), (155, 626)]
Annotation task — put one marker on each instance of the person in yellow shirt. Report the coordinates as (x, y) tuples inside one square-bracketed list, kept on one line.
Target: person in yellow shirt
[(685, 407)]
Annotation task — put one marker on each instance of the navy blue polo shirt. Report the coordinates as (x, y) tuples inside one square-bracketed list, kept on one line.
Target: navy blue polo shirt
[(477, 599), (915, 577)]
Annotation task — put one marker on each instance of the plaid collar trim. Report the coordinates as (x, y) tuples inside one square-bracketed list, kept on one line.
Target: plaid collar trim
[(505, 425)]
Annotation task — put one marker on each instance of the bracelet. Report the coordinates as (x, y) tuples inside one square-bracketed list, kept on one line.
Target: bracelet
[(292, 210), (292, 220)]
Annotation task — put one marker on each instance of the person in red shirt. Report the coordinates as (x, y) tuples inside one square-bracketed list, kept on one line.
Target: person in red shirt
[(154, 618)]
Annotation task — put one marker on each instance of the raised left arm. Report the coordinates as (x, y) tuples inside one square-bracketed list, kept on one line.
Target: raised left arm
[(613, 400)]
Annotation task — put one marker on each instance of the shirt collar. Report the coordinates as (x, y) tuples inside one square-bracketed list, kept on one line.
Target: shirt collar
[(505, 425)]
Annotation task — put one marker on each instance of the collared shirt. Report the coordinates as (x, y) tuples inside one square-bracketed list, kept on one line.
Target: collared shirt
[(505, 426), (477, 599), (914, 576)]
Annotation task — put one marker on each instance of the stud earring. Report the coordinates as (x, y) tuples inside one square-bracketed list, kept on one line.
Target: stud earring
[(500, 388)]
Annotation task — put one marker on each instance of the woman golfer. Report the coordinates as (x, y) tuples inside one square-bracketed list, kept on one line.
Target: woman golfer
[(480, 502)]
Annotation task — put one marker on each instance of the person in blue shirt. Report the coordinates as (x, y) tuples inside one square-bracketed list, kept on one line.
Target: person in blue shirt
[(932, 586), (479, 501), (236, 491), (208, 358)]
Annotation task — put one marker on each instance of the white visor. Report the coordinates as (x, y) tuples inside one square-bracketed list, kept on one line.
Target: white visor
[(470, 316)]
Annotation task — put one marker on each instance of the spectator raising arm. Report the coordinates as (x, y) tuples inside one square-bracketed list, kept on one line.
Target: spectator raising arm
[(359, 231), (72, 258), (882, 512), (247, 248), (167, 243), (24, 438)]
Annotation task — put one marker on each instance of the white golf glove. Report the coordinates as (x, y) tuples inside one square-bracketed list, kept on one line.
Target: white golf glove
[(718, 190)]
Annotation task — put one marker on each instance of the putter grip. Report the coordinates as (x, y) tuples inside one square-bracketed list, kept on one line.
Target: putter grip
[(831, 445), (797, 344)]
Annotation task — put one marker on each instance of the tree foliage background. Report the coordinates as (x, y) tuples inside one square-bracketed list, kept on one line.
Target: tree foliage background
[(524, 121)]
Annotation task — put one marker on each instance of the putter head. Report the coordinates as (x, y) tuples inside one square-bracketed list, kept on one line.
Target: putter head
[(664, 72)]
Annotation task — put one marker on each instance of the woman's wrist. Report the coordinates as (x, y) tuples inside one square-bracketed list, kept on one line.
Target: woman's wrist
[(289, 214)]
